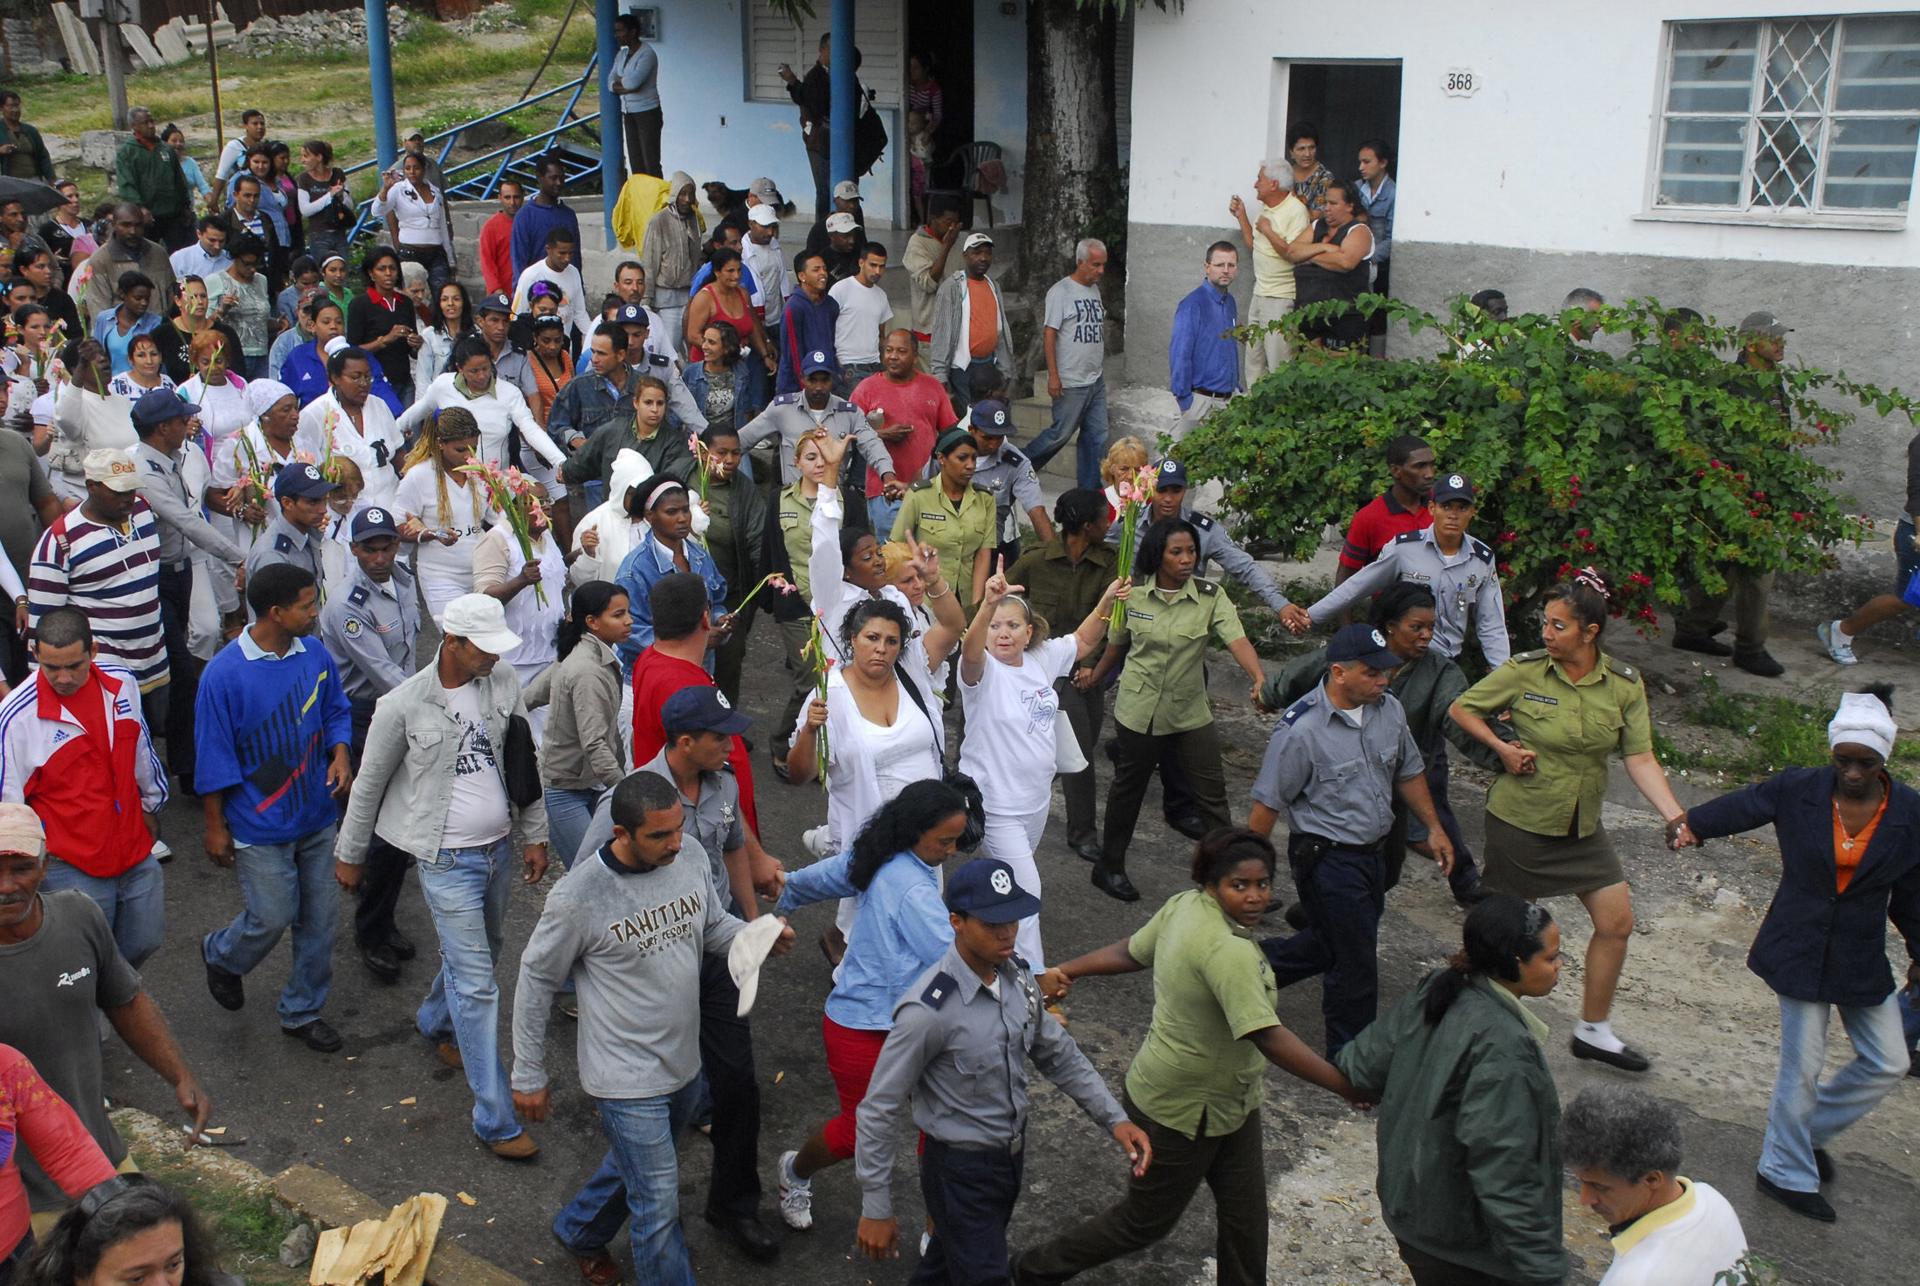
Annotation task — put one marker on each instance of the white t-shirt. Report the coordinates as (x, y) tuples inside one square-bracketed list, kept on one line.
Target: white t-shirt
[(903, 753), (377, 452), (573, 304), (477, 806), (1009, 749), (1687, 1243), (863, 311), (419, 497)]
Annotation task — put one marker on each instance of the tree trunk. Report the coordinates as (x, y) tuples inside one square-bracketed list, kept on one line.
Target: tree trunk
[(1073, 155)]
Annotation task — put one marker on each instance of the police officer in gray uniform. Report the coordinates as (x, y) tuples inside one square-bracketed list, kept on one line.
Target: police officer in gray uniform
[(298, 543), (1170, 501), (816, 406), (369, 630), (1459, 569), (961, 1038), (1339, 757), (1005, 470), (637, 321)]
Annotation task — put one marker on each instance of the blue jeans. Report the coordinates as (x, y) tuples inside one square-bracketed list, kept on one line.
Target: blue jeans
[(1910, 1016), (466, 891), (881, 512), (1806, 1114), (1344, 892), (639, 1181), (285, 885), (1086, 410), (133, 901), (568, 813)]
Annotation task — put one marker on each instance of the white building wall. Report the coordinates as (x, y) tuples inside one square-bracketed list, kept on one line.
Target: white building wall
[(1552, 154)]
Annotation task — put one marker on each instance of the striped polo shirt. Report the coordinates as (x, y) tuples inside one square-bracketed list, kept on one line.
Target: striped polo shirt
[(112, 576)]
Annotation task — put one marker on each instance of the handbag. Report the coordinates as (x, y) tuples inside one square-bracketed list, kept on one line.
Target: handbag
[(522, 765), (1067, 756), (1911, 595), (961, 784)]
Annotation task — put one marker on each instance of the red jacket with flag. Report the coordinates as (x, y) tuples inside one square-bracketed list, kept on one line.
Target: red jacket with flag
[(90, 796)]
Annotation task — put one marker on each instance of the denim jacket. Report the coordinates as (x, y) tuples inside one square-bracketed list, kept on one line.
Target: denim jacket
[(900, 928), (406, 774)]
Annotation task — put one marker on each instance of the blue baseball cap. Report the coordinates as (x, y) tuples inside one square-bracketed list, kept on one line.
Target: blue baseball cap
[(1364, 645), (370, 522), (1452, 486), (497, 302), (304, 480), (985, 889), (633, 315), (162, 404), (701, 709), (1172, 474), (989, 417), (817, 360)]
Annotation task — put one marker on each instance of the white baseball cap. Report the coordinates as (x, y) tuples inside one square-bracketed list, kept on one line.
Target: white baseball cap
[(841, 221), (762, 215), (113, 468), (974, 241), (481, 620), (747, 952)]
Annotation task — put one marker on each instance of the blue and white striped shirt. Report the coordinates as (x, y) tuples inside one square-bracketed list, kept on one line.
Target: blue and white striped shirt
[(111, 575)]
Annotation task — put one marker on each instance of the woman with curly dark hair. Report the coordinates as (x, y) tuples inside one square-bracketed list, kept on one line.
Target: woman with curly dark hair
[(900, 927), (128, 1229)]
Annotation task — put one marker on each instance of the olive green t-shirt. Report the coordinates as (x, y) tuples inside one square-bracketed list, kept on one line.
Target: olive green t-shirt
[(1211, 987)]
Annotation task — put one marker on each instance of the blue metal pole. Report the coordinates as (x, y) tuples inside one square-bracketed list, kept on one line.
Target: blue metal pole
[(843, 106), (613, 169), (386, 135)]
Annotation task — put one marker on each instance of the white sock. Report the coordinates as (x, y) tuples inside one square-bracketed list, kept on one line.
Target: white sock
[(792, 1176), (1841, 634), (1599, 1035)]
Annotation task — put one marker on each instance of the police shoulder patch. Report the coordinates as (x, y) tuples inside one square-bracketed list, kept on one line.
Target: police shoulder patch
[(1009, 456), (1621, 668), (1538, 654), (1300, 707), (1206, 586), (283, 543), (1200, 520), (1479, 549), (358, 595), (1411, 537), (786, 399), (352, 627), (938, 990)]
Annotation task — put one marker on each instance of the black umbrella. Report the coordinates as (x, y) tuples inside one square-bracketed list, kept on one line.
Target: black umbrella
[(33, 195)]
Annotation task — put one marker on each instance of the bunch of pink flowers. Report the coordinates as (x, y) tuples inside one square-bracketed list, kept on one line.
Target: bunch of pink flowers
[(516, 496), (1135, 493)]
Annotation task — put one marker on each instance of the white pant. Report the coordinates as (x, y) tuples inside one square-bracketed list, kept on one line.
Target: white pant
[(439, 593), (1199, 407), (1271, 350), (1012, 839)]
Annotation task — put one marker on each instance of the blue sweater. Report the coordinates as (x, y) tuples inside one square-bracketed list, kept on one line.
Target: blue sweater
[(530, 229), (305, 372), (807, 328), (264, 730)]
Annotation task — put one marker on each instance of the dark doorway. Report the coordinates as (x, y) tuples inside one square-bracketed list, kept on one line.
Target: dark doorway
[(943, 31), (1349, 103)]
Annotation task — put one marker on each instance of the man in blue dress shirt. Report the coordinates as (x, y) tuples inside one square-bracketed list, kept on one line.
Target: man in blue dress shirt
[(1203, 359)]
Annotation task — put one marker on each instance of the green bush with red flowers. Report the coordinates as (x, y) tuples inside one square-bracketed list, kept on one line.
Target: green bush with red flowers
[(1661, 465)]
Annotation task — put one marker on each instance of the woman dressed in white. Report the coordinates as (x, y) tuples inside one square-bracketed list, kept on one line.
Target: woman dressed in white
[(1008, 666), (86, 417), (603, 539), (532, 592), (265, 444), (444, 511), (363, 429), (498, 407)]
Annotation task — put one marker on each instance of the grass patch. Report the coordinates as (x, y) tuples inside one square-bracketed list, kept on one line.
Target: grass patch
[(246, 1223), (1771, 734)]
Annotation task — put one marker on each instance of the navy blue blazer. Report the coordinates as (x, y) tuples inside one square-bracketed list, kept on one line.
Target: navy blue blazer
[(1818, 944)]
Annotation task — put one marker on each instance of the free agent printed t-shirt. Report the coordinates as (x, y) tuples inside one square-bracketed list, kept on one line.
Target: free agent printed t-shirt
[(1078, 317), (1009, 748), (419, 495), (477, 806)]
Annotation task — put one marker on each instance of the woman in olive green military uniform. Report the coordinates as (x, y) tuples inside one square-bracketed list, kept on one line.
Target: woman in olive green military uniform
[(1572, 706), (1162, 705), (953, 516), (794, 513)]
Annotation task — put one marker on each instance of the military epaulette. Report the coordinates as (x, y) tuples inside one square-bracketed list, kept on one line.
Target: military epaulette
[(358, 595), (1300, 707), (1202, 521), (1538, 654), (1411, 537), (1206, 586), (1620, 668), (659, 359), (977, 487), (1480, 549), (786, 399), (283, 543), (923, 485), (1010, 456), (938, 990)]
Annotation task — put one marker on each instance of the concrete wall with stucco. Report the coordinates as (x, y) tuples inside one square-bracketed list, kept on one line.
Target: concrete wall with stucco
[(1536, 183)]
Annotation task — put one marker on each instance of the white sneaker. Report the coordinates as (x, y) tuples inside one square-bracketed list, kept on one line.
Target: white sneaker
[(796, 1195), (161, 852), (1841, 650)]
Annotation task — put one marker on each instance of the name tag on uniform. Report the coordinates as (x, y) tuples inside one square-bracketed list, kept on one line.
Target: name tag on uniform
[(928, 517), (1135, 614), (789, 520), (1543, 700)]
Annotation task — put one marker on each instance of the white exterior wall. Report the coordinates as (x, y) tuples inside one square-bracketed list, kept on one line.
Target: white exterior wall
[(1552, 154)]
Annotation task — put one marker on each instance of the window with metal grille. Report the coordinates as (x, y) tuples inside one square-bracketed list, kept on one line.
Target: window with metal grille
[(1790, 119)]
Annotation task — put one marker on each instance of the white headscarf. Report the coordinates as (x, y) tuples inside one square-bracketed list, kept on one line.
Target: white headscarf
[(1863, 720), (263, 393)]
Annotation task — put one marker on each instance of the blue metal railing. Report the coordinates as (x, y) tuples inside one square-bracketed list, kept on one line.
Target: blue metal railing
[(515, 158)]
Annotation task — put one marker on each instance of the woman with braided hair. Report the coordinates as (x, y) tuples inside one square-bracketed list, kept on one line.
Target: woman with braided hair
[(1572, 707)]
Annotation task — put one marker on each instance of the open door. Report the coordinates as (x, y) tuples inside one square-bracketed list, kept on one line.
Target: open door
[(1348, 102)]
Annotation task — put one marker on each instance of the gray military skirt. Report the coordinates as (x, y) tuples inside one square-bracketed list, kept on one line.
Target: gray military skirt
[(1526, 864)]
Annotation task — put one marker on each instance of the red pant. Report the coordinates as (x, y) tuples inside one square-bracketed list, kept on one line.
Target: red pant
[(851, 1054)]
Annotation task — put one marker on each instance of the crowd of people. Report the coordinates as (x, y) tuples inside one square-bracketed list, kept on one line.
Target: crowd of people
[(393, 579)]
